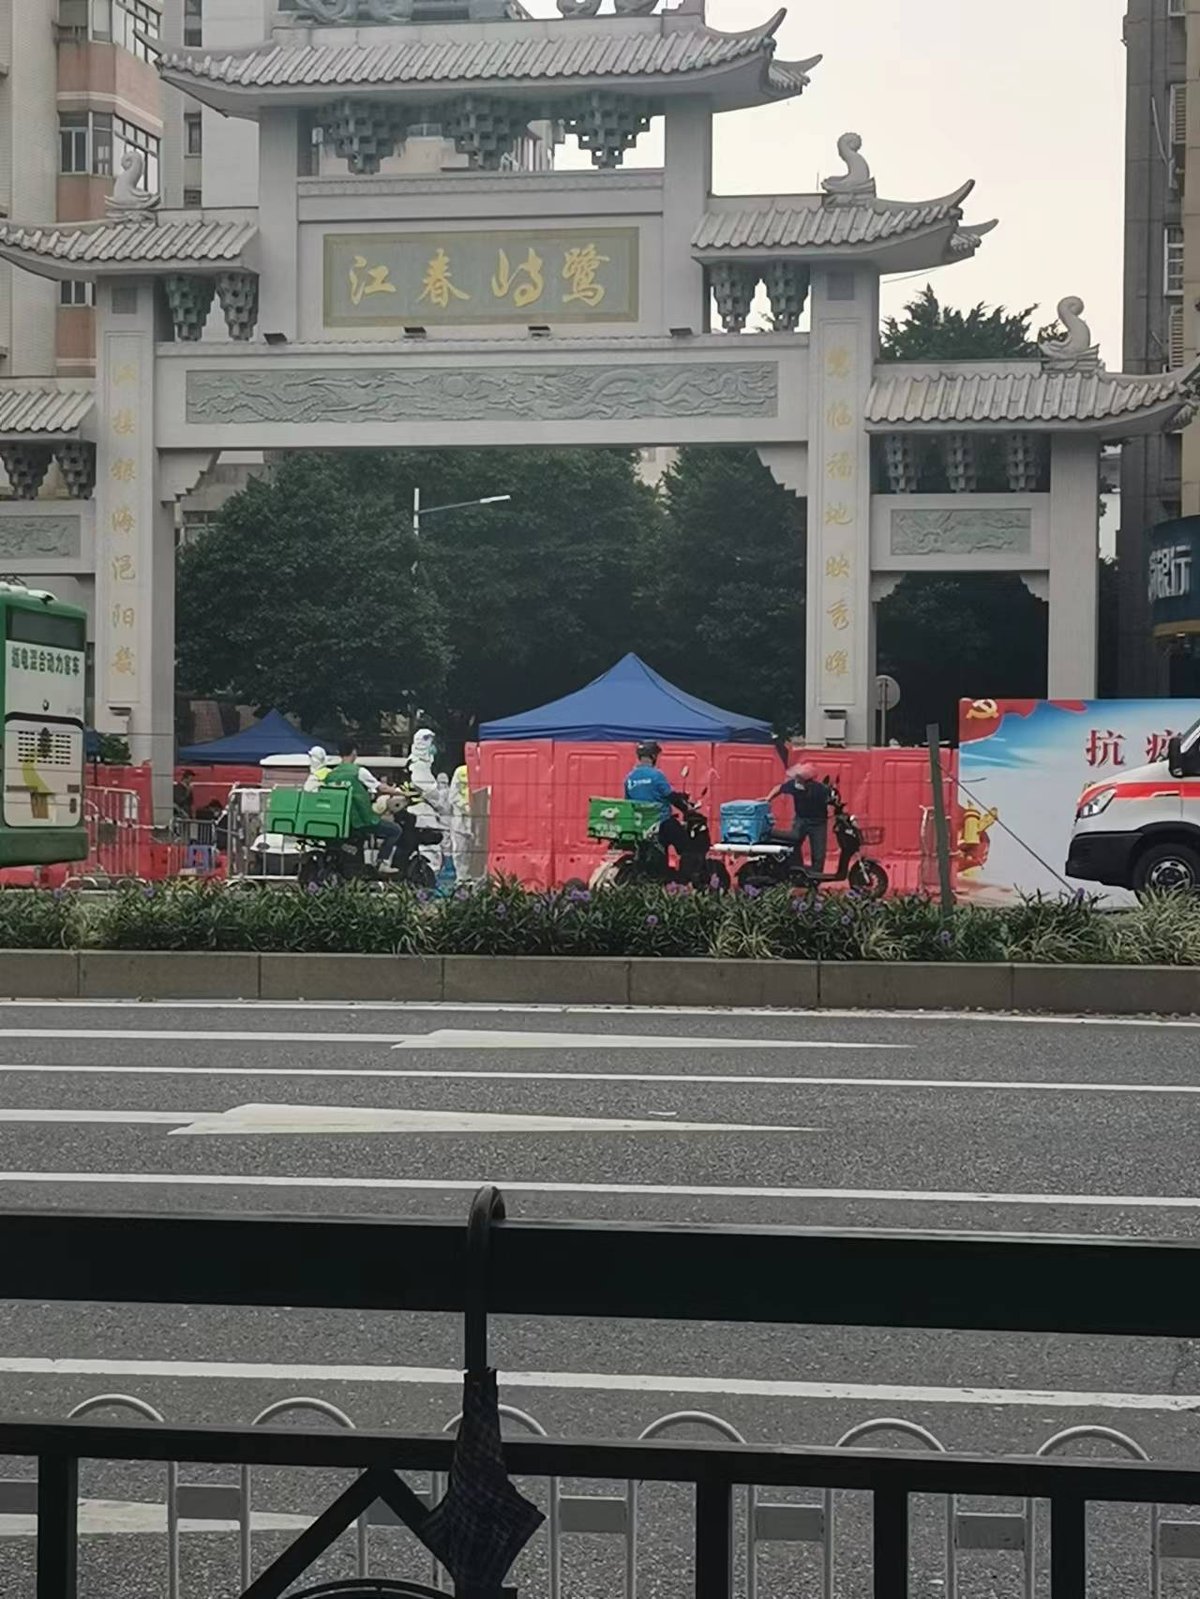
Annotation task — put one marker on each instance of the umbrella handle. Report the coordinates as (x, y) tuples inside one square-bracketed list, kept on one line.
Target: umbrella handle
[(487, 1206)]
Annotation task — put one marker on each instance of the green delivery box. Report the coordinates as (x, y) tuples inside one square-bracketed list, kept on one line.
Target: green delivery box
[(299, 814), (622, 821)]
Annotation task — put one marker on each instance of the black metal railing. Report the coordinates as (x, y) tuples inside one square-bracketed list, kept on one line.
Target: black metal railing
[(877, 1279)]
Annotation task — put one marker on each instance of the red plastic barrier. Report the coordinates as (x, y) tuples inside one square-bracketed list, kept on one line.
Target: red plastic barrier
[(540, 793)]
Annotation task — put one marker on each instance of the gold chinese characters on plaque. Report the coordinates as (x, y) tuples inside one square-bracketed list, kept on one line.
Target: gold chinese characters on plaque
[(538, 275)]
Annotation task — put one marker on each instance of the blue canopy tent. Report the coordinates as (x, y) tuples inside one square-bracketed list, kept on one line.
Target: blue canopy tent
[(274, 735), (629, 703)]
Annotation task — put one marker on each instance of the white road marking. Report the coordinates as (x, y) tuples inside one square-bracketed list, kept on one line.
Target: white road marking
[(115, 1517), (120, 1118), (259, 1120), (724, 1079), (594, 1382), (466, 1008), (471, 1185), (468, 1038), (447, 1039)]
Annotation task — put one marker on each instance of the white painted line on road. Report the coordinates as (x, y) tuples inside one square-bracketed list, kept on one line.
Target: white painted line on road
[(471, 1185), (593, 1382), (448, 1039), (116, 1517), (720, 1079), (259, 1120), (467, 1008), (120, 1118), (468, 1038)]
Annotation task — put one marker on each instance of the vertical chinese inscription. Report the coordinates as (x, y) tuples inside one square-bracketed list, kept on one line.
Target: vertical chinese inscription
[(839, 497), (120, 532)]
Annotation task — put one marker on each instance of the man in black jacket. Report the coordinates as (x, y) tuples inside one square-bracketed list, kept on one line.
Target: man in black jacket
[(811, 799)]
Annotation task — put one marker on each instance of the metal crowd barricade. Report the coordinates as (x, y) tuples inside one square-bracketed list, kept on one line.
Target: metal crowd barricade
[(287, 1407), (113, 820)]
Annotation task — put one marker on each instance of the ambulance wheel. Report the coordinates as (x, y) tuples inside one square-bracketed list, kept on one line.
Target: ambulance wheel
[(1167, 868)]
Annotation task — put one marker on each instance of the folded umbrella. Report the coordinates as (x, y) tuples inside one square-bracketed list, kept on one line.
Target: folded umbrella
[(482, 1523)]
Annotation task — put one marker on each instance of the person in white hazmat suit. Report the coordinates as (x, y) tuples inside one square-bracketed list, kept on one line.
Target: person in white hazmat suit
[(461, 838), (426, 813)]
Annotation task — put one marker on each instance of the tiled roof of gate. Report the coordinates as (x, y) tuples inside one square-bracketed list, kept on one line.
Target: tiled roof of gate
[(189, 238), (523, 54), (1030, 397), (822, 224), (45, 407)]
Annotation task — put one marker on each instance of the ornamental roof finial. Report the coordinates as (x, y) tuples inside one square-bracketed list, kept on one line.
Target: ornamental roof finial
[(1074, 351), (128, 198), (856, 183)]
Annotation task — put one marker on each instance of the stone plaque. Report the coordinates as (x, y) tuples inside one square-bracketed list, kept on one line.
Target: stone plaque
[(351, 396), (383, 280), (970, 531), (24, 538)]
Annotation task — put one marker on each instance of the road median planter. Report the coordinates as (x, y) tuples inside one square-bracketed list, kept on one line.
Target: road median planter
[(581, 980), (120, 974)]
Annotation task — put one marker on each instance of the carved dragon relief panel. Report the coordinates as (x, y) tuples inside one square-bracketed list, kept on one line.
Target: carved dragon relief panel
[(348, 397)]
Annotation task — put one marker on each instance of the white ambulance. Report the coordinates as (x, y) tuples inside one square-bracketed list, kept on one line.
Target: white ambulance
[(1140, 829)]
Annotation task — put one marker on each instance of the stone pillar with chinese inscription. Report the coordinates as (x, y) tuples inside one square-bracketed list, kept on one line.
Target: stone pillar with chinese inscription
[(840, 653), (1074, 567), (135, 538)]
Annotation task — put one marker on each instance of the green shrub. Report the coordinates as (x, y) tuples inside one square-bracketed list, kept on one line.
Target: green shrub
[(34, 919), (499, 917)]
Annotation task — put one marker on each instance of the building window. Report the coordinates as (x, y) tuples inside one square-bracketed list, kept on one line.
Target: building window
[(130, 18), (71, 292), (193, 199), (1173, 261), (193, 133), (127, 135), (1177, 8), (73, 154), (193, 22), (1176, 345)]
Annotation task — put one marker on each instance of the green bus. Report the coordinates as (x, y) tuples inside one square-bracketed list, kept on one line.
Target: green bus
[(43, 689)]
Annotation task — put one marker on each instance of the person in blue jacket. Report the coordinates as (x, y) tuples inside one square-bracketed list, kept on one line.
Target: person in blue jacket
[(648, 786)]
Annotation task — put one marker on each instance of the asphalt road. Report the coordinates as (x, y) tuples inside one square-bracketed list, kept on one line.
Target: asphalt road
[(991, 1125)]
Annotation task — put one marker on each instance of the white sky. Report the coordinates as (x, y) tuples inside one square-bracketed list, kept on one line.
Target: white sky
[(1027, 97)]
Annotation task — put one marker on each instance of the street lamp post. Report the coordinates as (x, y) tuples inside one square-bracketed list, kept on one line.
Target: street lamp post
[(420, 511)]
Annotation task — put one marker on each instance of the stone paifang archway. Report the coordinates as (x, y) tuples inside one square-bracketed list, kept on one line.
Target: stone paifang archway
[(491, 306)]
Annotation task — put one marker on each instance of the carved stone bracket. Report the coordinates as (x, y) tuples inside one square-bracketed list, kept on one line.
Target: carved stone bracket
[(237, 293), (734, 286), (788, 283), (190, 299), (1025, 456), (77, 461), (26, 465), (900, 460), (485, 129), (958, 455), (363, 132), (605, 124)]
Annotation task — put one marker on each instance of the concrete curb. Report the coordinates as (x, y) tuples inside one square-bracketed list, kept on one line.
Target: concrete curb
[(533, 980)]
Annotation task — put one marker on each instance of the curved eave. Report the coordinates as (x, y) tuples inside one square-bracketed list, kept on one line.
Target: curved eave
[(918, 251), (729, 86), (1101, 405), (48, 266)]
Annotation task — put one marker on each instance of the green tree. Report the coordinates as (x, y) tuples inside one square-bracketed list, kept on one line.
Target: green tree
[(303, 597), (947, 638), (726, 590), (539, 595), (312, 593), (930, 331)]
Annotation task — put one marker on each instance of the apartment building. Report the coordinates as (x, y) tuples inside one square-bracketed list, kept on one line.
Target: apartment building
[(78, 88), (1160, 474)]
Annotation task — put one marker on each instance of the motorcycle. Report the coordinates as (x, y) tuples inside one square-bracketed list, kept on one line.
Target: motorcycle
[(645, 859), (331, 862), (776, 862)]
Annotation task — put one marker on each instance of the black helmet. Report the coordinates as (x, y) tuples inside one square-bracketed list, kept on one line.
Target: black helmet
[(649, 750)]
